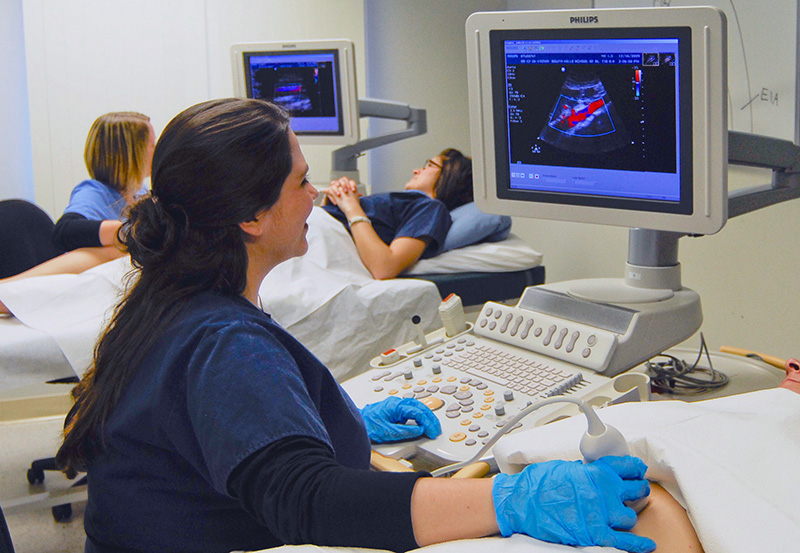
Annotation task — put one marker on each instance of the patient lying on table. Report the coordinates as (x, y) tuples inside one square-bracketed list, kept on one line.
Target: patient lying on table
[(393, 231)]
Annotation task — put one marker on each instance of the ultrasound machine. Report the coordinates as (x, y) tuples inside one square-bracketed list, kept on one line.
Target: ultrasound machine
[(613, 117)]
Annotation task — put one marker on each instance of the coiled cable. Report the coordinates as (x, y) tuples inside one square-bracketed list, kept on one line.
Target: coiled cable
[(676, 376)]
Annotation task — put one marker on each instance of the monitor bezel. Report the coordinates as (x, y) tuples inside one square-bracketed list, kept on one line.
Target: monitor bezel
[(703, 117), (344, 53)]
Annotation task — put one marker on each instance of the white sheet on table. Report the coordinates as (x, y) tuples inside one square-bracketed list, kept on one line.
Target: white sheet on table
[(729, 461), (511, 254), (517, 543), (326, 299), (29, 356), (329, 301), (72, 309)]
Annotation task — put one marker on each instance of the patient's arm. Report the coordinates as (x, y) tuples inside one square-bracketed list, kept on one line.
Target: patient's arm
[(384, 261), (73, 262), (666, 523), (381, 260)]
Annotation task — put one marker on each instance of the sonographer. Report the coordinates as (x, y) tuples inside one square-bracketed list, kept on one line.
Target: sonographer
[(204, 426)]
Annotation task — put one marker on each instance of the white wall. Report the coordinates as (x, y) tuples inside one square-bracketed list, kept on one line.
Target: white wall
[(746, 275), (86, 58), (91, 57), (416, 54), (16, 166)]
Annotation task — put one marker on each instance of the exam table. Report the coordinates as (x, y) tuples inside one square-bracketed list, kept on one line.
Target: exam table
[(60, 317)]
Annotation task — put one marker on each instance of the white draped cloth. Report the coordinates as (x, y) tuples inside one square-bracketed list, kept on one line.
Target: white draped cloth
[(326, 299)]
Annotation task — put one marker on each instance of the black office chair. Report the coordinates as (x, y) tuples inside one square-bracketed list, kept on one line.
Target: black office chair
[(26, 240), (6, 546), (35, 474), (26, 237)]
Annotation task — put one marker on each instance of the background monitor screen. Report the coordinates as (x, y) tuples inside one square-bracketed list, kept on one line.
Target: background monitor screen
[(313, 80), (598, 122)]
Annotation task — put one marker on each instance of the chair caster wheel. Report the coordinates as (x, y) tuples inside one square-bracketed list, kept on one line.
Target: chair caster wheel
[(62, 513), (35, 476)]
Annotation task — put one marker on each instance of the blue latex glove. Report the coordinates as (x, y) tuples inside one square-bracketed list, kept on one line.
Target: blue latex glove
[(386, 420), (575, 504)]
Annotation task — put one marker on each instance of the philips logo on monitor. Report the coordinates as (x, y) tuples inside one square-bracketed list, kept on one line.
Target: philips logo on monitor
[(583, 19)]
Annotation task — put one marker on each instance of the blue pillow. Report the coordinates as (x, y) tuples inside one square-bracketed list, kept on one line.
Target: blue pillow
[(471, 225)]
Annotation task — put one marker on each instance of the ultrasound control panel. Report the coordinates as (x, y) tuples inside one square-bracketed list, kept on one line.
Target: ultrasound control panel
[(556, 337), (476, 383)]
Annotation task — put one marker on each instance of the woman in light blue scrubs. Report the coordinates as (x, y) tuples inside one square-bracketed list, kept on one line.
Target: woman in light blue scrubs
[(118, 155)]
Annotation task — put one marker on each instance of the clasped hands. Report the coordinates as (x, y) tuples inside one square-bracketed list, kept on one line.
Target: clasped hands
[(342, 193)]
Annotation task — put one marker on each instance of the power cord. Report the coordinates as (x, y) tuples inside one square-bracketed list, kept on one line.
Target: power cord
[(676, 376)]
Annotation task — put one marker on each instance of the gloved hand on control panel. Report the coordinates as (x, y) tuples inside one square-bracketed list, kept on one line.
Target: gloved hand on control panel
[(386, 420), (573, 503)]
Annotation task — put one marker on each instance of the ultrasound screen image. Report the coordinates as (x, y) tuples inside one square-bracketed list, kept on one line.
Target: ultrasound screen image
[(584, 119), (303, 90), (595, 118), (593, 113)]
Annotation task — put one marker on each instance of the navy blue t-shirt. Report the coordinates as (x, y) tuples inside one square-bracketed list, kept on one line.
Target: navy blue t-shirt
[(408, 214), (223, 382)]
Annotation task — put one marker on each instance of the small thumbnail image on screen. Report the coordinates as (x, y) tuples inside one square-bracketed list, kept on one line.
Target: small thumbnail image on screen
[(651, 59), (304, 90)]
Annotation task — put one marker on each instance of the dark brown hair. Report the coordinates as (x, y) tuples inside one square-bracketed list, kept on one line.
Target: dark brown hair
[(454, 185), (216, 165)]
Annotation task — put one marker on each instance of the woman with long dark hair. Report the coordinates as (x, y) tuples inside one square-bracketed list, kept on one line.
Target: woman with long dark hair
[(204, 426)]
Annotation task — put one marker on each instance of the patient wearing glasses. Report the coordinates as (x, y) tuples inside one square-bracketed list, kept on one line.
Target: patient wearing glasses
[(434, 214)]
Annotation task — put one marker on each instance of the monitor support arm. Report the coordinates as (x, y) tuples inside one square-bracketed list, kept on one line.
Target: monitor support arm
[(653, 255), (345, 158), (670, 313), (782, 156)]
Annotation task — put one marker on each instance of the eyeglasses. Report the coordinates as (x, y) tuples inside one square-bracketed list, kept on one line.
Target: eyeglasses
[(431, 163)]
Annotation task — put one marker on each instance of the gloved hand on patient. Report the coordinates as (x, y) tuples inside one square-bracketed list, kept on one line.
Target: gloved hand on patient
[(574, 503), (386, 420)]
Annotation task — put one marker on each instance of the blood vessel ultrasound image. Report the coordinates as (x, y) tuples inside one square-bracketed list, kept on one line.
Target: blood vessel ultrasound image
[(584, 119)]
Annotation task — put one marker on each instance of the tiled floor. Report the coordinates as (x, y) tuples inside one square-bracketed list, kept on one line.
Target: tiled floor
[(32, 527)]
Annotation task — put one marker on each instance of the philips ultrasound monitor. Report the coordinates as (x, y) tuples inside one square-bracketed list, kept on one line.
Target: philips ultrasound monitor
[(314, 80), (608, 116)]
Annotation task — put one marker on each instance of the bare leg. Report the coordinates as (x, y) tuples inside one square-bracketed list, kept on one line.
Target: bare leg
[(73, 262), (665, 522)]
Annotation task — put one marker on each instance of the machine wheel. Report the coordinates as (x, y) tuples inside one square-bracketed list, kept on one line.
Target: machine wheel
[(62, 513), (35, 476)]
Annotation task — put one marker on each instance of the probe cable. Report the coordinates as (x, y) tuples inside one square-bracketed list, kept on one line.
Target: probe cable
[(506, 428), (676, 376)]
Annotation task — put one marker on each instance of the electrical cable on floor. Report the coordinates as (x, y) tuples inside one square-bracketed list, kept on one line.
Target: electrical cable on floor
[(676, 376)]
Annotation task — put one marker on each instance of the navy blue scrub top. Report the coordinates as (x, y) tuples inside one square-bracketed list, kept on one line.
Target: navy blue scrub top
[(221, 383)]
